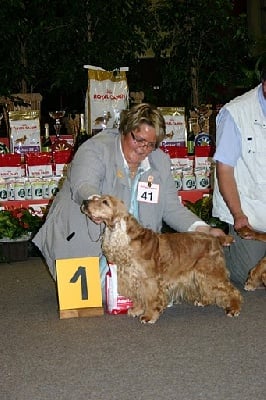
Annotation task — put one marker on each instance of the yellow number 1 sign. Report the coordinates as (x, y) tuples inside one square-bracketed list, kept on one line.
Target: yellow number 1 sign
[(79, 287)]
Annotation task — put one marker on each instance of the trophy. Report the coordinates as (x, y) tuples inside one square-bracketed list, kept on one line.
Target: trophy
[(57, 115), (59, 144)]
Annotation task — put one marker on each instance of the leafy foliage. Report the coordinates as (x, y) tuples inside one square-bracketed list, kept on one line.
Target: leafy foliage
[(203, 209), (47, 47), (207, 47), (199, 45), (19, 222)]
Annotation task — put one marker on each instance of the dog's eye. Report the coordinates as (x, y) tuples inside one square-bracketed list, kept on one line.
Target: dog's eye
[(105, 202)]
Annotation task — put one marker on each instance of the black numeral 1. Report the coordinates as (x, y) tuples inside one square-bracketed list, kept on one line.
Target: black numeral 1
[(81, 272)]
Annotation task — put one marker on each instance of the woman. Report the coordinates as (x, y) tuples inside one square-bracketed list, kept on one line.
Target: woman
[(127, 164)]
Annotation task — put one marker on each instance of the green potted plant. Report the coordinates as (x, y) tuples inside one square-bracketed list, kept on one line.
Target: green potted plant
[(203, 209), (17, 227)]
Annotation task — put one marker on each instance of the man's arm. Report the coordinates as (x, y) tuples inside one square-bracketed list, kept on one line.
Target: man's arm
[(228, 189)]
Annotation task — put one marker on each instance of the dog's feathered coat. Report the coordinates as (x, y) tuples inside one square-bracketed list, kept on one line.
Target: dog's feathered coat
[(154, 269)]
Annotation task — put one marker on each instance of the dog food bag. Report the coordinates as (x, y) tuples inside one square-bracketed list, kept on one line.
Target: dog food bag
[(39, 165), (204, 160), (25, 131), (107, 96), (202, 178), (115, 304), (61, 160), (3, 190), (188, 179), (175, 126), (10, 166)]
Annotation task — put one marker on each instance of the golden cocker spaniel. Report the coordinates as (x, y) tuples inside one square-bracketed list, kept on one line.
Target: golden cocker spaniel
[(154, 269)]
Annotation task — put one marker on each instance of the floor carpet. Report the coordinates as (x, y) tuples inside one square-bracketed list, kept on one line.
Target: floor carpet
[(191, 353)]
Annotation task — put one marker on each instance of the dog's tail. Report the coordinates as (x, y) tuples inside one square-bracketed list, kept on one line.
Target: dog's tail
[(225, 240)]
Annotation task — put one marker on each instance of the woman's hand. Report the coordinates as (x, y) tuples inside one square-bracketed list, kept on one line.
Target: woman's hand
[(216, 232)]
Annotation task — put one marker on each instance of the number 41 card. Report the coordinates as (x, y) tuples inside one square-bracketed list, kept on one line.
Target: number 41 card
[(78, 284), (148, 192)]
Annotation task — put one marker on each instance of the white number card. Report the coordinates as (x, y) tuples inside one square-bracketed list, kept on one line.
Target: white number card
[(148, 193)]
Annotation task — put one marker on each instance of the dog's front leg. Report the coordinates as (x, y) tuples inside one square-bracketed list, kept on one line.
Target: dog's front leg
[(152, 312), (155, 300), (136, 310), (150, 316)]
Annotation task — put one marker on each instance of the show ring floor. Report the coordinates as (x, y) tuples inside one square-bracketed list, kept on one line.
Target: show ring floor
[(191, 353)]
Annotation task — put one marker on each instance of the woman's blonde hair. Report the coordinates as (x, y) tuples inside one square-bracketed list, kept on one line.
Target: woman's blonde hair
[(139, 114)]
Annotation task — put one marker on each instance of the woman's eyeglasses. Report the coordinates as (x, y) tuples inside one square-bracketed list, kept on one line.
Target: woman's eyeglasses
[(143, 143)]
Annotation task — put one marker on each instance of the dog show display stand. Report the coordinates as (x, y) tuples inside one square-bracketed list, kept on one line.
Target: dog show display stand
[(81, 312), (190, 195), (79, 287)]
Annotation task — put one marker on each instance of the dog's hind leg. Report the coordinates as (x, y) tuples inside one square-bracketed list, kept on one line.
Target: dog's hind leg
[(234, 302), (216, 290), (226, 296)]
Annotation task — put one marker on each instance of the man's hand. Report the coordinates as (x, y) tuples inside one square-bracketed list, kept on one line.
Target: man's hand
[(240, 220)]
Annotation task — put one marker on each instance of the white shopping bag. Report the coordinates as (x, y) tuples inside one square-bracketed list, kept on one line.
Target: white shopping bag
[(115, 304)]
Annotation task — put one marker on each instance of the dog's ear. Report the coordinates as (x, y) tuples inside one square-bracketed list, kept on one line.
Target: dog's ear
[(143, 240), (84, 207), (119, 207)]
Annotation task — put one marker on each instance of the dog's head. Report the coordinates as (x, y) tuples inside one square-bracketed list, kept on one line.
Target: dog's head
[(106, 209)]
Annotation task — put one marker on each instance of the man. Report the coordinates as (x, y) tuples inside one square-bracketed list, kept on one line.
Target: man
[(240, 187)]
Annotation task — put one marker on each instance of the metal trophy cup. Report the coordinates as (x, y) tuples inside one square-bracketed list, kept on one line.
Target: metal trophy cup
[(59, 144), (57, 115)]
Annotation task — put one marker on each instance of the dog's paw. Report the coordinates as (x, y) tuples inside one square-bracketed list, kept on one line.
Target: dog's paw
[(149, 317), (198, 303), (249, 287), (145, 319), (232, 312), (135, 312)]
